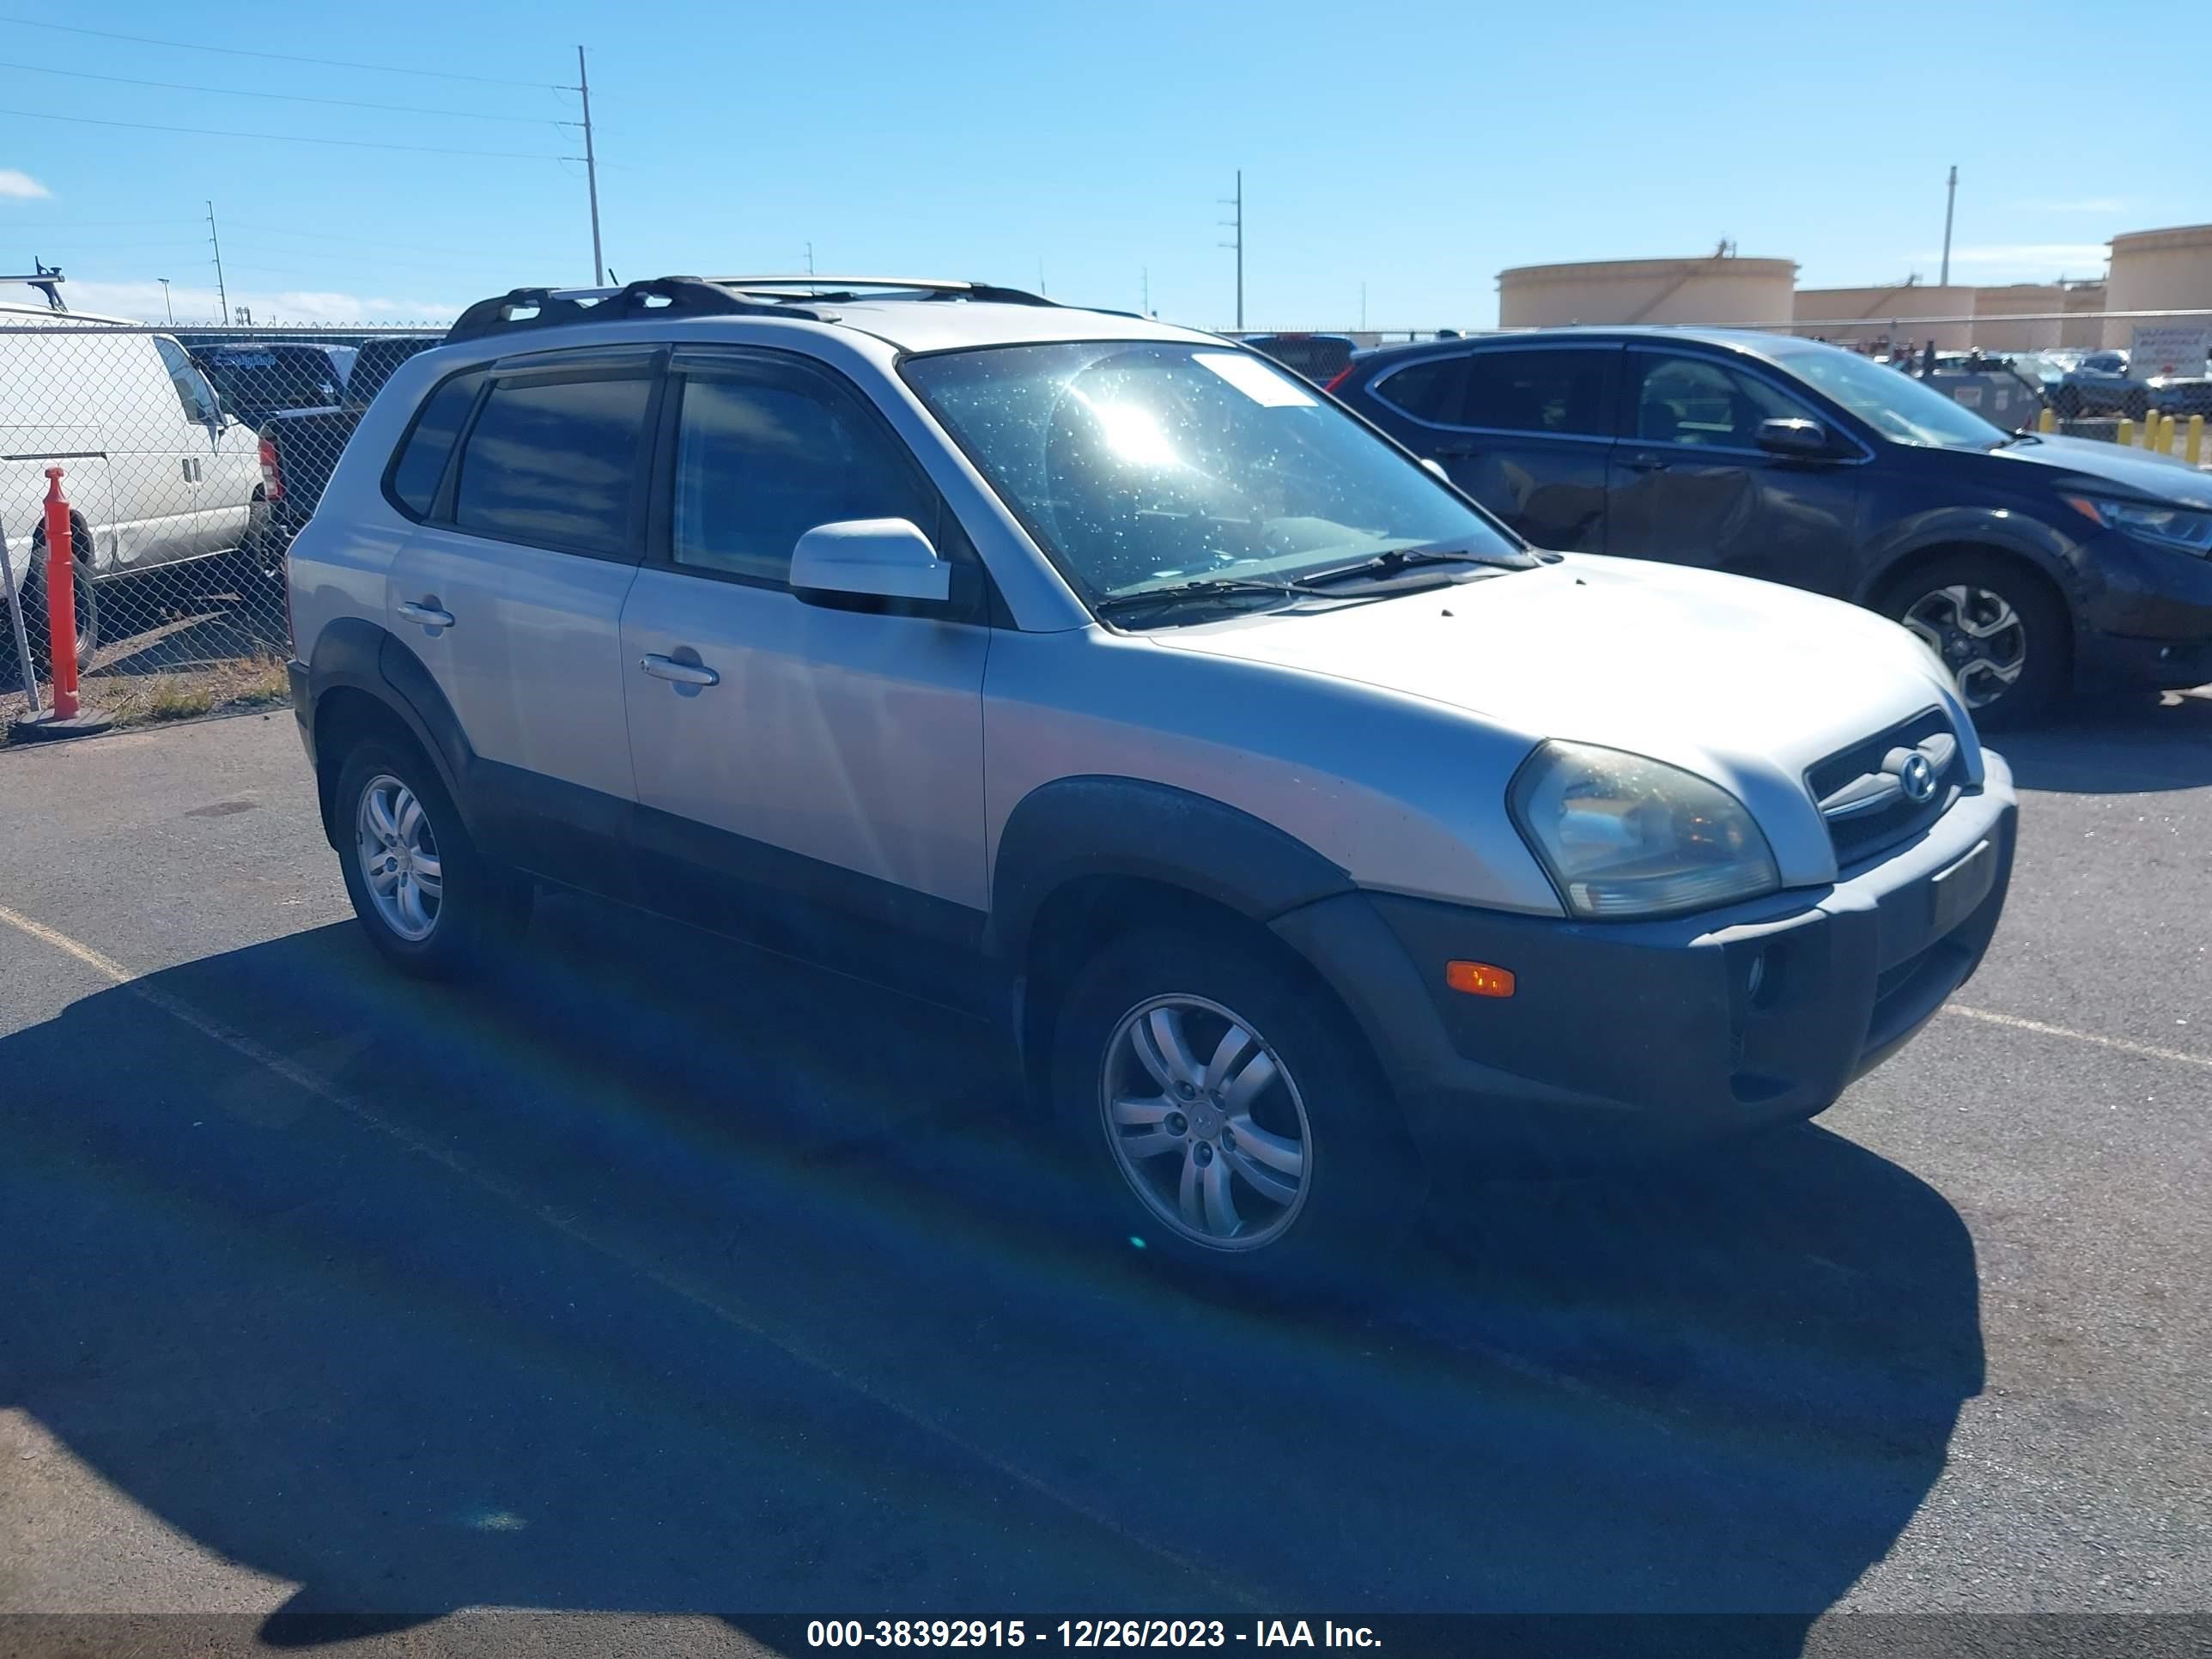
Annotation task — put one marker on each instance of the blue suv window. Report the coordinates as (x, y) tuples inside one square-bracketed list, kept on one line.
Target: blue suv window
[(1567, 391)]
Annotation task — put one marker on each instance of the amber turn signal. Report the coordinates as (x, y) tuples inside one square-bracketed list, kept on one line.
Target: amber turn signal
[(1479, 979)]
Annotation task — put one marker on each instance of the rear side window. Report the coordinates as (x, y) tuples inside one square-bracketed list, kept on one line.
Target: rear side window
[(1567, 392), (1431, 391), (554, 463), (421, 461)]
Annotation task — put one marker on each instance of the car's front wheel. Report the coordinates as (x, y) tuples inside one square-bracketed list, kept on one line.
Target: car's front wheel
[(430, 902), (1230, 1114), (1997, 627)]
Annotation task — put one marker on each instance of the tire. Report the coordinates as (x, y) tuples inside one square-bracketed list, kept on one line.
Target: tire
[(37, 620), (2136, 405), (472, 907), (1957, 604), (1337, 1185)]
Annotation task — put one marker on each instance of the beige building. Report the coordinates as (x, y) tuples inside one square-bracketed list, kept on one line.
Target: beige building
[(2083, 330), (2157, 270), (1715, 289), (2018, 317), (1891, 310)]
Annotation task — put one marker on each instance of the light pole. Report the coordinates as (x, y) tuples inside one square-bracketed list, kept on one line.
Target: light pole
[(166, 305)]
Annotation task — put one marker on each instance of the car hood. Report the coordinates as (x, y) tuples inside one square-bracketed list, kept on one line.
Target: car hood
[(2159, 478), (1744, 682)]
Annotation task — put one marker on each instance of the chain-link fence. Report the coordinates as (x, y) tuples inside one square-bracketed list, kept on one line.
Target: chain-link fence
[(188, 458)]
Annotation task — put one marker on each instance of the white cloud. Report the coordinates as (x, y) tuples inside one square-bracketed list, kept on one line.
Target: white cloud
[(199, 303), (19, 187)]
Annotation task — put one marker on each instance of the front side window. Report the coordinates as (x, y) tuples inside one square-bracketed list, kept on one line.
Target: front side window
[(1900, 408), (761, 459), (554, 462), (1704, 404), (193, 391), (1567, 392), (1142, 464)]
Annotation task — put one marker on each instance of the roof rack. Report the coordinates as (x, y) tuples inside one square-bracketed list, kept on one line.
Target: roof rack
[(48, 280), (853, 288), (526, 308)]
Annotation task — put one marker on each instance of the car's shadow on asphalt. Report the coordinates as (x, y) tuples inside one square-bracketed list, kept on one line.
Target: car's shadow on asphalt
[(656, 1274), (2116, 746)]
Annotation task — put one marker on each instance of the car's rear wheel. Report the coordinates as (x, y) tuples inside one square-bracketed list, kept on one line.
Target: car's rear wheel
[(1997, 627), (38, 617), (1230, 1115), (430, 902)]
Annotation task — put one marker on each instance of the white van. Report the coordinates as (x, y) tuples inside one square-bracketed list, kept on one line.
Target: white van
[(155, 472)]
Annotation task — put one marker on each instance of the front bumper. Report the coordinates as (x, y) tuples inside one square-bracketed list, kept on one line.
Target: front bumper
[(1621, 1034), (2146, 618)]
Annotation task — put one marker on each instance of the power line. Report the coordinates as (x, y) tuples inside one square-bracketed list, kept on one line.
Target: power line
[(284, 137), (284, 57), (357, 241), (285, 97)]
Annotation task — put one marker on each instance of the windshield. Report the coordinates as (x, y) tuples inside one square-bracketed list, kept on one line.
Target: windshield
[(1141, 464), (1896, 405)]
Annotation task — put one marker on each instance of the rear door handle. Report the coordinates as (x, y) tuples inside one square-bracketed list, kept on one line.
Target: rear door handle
[(679, 674), (1646, 462), (1455, 452), (428, 615)]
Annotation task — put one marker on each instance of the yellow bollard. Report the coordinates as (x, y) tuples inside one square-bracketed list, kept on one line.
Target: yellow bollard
[(2150, 426), (2193, 450), (2125, 435), (2166, 436), (2047, 421)]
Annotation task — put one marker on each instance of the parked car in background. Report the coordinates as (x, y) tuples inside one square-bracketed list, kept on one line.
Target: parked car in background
[(2100, 385), (299, 446), (1295, 820), (1319, 357), (258, 378), (2180, 395), (156, 473), (2028, 564)]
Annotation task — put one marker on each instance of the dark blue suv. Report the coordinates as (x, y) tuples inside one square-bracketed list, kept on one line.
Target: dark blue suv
[(2030, 564)]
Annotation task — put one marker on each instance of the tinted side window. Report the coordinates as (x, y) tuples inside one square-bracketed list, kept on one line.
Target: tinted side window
[(554, 463), (762, 460), (1431, 391), (1562, 392), (421, 461), (1694, 400), (192, 390)]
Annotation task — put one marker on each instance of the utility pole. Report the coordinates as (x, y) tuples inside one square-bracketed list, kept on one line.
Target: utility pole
[(1238, 224), (213, 240), (1042, 291), (166, 305), (1147, 306), (1950, 202), (810, 259), (590, 169)]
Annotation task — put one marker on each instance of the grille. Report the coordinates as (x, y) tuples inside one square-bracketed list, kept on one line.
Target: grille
[(1863, 834)]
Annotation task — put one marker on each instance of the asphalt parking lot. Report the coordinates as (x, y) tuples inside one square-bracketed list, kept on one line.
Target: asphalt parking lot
[(659, 1276)]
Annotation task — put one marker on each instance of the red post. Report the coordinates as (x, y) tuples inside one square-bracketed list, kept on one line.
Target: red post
[(61, 597)]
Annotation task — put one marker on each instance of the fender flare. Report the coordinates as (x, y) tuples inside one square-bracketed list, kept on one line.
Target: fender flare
[(359, 655), (1095, 825), (2025, 538)]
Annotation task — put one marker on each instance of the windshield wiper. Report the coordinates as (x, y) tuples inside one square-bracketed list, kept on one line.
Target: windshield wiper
[(1203, 588), (1413, 558)]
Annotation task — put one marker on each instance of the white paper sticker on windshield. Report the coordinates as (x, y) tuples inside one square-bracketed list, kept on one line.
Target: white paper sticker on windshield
[(1262, 384)]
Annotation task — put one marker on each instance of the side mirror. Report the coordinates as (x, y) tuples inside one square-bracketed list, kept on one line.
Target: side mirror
[(1437, 467), (1793, 435), (870, 558)]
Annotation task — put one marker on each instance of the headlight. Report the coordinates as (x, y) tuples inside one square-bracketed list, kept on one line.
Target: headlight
[(1624, 836), (2177, 526)]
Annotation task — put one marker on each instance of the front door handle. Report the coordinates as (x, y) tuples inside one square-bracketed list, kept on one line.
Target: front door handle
[(679, 674), (1455, 452), (428, 615), (1646, 462)]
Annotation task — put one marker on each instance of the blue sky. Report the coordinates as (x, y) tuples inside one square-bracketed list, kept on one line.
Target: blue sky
[(1416, 149)]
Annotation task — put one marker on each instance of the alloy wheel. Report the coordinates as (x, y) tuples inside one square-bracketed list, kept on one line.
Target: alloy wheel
[(1978, 633), (400, 859), (1205, 1122)]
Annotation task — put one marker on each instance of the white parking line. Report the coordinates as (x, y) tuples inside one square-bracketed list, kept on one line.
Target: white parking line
[(260, 1054), (2146, 1050)]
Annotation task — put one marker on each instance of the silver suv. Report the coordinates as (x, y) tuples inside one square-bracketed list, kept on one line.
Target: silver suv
[(1307, 830)]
